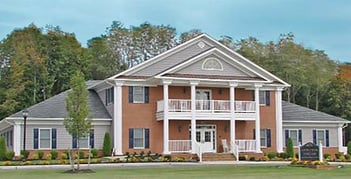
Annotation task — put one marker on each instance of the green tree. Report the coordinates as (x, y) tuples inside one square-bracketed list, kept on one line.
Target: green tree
[(106, 148), (2, 148), (290, 148), (77, 123)]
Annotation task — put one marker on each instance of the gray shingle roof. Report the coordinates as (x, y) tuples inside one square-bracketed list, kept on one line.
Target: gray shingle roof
[(54, 107), (294, 112)]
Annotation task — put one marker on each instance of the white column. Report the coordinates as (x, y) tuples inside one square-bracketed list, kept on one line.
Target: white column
[(17, 139), (340, 145), (257, 121), (193, 115), (165, 117), (117, 122), (232, 112), (279, 119)]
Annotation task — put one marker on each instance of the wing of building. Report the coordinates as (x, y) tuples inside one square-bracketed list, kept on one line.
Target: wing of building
[(198, 95)]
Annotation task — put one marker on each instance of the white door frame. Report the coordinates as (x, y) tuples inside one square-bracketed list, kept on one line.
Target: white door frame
[(208, 127)]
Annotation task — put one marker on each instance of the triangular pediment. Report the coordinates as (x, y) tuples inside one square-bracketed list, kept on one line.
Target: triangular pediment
[(214, 64), (189, 58)]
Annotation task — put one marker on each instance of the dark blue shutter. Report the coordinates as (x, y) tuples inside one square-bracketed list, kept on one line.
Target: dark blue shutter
[(253, 95), (147, 138), (300, 136), (130, 94), (254, 134), (327, 138), (286, 137), (268, 134), (268, 98), (131, 138), (113, 94), (314, 134), (91, 138), (74, 142), (106, 95), (36, 140), (53, 138), (146, 97)]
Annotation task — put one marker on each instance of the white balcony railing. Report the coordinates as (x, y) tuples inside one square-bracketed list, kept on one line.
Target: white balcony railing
[(246, 145), (212, 106), (179, 145)]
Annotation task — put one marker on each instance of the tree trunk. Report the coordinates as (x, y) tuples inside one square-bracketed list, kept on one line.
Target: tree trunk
[(317, 99), (78, 154)]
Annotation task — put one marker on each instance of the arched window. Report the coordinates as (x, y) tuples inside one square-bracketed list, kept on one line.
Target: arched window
[(212, 64)]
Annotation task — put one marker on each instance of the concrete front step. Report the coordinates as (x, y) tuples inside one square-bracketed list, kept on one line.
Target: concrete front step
[(218, 157)]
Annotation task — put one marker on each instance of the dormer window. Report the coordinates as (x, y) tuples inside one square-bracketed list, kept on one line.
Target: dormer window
[(212, 64)]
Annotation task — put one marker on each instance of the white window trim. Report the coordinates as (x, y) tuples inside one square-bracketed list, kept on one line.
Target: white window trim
[(50, 138), (143, 132), (212, 69), (88, 136), (109, 98), (143, 100), (262, 103), (297, 137), (324, 137), (265, 145)]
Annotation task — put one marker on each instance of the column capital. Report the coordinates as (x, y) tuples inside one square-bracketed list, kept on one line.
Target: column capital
[(233, 84), (279, 89), (119, 82), (194, 83), (258, 85), (166, 82)]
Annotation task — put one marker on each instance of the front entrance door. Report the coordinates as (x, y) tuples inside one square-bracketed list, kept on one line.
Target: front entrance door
[(203, 98), (206, 137)]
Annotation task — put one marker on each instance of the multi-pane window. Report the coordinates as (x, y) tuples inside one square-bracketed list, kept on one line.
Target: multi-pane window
[(138, 94), (139, 138), (264, 98), (263, 135), (84, 142), (109, 96), (293, 134), (320, 136), (44, 138)]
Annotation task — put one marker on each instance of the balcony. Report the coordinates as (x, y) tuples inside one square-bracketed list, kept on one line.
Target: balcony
[(180, 109)]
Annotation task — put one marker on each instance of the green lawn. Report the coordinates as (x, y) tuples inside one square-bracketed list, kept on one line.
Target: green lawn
[(192, 172)]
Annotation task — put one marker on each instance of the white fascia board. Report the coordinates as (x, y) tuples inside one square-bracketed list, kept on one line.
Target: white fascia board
[(253, 64), (158, 57), (318, 122), (209, 80)]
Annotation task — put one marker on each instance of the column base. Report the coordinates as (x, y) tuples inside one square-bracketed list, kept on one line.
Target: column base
[(259, 151), (166, 153)]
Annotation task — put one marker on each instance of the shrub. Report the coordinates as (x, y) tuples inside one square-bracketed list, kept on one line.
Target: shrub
[(107, 147), (290, 148), (9, 155), (337, 155), (54, 154), (326, 156), (64, 156), (94, 152), (349, 148), (48, 156), (2, 148), (347, 156), (25, 154), (271, 155), (35, 156), (242, 158), (282, 155), (252, 159), (40, 154), (81, 154)]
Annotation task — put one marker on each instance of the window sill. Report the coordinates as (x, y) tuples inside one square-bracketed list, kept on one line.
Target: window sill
[(139, 148)]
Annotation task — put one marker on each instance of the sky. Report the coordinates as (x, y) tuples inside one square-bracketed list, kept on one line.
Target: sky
[(316, 24)]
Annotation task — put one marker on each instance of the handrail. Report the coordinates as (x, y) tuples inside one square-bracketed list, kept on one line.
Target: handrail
[(198, 151), (235, 150)]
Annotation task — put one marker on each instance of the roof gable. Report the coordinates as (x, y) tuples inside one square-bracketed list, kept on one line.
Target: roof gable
[(190, 49)]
